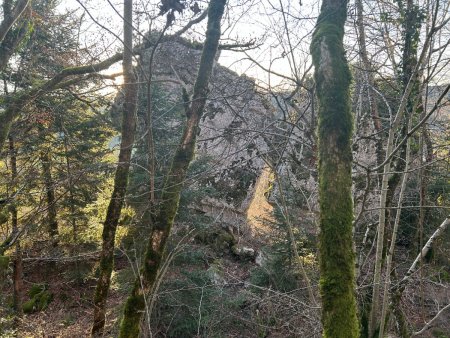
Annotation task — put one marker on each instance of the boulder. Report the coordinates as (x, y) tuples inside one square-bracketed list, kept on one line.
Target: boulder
[(243, 252)]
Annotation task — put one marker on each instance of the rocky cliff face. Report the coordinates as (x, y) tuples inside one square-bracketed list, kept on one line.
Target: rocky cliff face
[(231, 126)]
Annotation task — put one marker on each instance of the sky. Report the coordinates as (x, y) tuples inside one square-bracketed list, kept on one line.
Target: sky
[(246, 20), (261, 21)]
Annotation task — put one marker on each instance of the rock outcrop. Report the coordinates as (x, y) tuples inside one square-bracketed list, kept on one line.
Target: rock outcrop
[(230, 137)]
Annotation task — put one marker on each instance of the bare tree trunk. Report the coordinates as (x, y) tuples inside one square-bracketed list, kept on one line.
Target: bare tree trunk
[(174, 180), (17, 278), (52, 222), (10, 39), (17, 265), (151, 160), (121, 177), (370, 82), (369, 77), (425, 156), (368, 71), (388, 185), (390, 253), (73, 220), (11, 15), (150, 146), (293, 242), (422, 210), (337, 268), (411, 26)]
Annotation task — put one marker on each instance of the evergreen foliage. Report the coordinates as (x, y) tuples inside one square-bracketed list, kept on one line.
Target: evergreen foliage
[(181, 253), (279, 269)]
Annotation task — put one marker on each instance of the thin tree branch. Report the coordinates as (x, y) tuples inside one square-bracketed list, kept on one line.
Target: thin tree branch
[(431, 322), (12, 17)]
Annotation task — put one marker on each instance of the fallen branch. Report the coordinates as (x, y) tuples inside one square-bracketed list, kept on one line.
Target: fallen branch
[(423, 253), (65, 259), (431, 322)]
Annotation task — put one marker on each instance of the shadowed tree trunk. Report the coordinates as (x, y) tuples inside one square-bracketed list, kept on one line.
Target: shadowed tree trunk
[(369, 75), (411, 99), (412, 19), (121, 177), (52, 223), (411, 28), (163, 222), (391, 250), (73, 220), (17, 265), (11, 15), (10, 38), (332, 76)]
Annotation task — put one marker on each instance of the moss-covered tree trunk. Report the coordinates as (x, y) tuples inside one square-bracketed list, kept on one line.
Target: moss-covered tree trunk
[(121, 176), (332, 76), (52, 223), (174, 180)]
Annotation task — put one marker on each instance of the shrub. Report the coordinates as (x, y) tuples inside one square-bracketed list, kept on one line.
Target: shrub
[(40, 298)]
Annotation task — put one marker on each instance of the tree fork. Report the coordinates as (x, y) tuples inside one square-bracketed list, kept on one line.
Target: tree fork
[(332, 77)]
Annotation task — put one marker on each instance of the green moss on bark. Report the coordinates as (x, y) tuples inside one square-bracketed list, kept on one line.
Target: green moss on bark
[(120, 179), (134, 306), (170, 198), (332, 76), (4, 262)]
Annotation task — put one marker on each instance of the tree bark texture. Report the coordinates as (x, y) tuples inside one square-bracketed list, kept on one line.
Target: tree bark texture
[(369, 75), (52, 222), (391, 251), (368, 70), (164, 219), (410, 86), (73, 220), (332, 76), (11, 16), (10, 38), (121, 176), (17, 264)]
